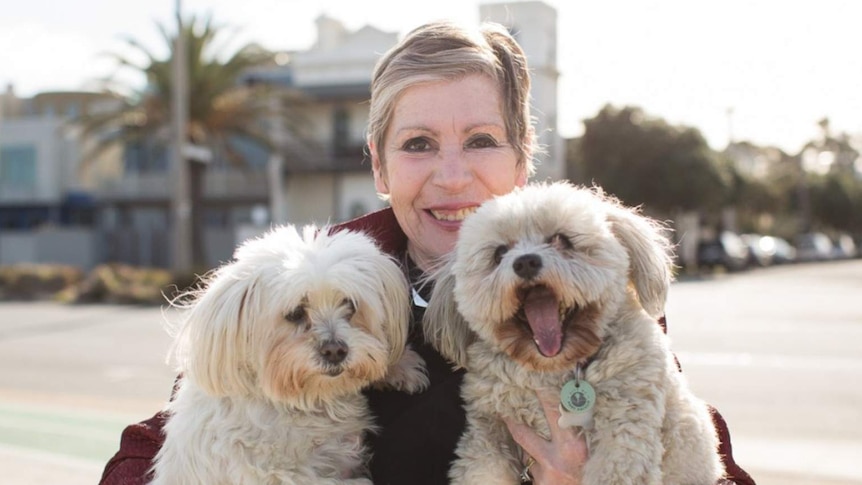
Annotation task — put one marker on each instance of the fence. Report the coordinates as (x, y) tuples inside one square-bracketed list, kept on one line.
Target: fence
[(85, 248)]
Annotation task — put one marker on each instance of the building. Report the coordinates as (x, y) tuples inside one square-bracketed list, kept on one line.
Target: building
[(335, 183), (534, 25), (40, 183), (324, 174)]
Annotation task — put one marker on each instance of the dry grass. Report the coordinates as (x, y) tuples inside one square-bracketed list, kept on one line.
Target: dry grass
[(110, 283)]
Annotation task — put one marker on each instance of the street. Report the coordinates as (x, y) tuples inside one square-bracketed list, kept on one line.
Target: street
[(778, 351)]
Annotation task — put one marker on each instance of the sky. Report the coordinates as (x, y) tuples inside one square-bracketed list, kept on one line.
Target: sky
[(765, 71)]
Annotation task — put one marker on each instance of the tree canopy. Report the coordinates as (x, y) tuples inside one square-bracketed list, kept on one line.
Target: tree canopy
[(645, 160)]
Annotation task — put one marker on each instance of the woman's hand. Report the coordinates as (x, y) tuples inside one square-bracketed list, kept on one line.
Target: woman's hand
[(559, 461)]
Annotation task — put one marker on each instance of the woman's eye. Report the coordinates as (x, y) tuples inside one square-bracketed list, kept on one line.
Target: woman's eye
[(416, 145), (482, 141)]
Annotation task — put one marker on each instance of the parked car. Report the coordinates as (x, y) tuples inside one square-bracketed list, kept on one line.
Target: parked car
[(728, 251), (844, 248), (768, 250), (784, 251), (814, 246), (761, 249)]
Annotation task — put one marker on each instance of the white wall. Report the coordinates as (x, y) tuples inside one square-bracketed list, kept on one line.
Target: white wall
[(56, 158), (358, 195), (534, 25), (72, 246)]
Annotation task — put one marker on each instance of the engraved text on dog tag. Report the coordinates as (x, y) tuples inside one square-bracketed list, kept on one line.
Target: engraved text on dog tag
[(576, 404)]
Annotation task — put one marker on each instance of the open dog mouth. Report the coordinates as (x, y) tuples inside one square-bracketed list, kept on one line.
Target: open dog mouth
[(545, 317), (333, 371)]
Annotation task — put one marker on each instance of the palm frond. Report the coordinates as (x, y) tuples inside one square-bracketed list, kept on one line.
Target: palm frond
[(220, 108)]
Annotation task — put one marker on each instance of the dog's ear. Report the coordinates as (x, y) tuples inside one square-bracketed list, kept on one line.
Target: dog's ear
[(443, 325), (212, 346), (395, 302), (650, 261)]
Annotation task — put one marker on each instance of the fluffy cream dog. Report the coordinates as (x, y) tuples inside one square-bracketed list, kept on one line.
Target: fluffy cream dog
[(274, 351), (549, 279)]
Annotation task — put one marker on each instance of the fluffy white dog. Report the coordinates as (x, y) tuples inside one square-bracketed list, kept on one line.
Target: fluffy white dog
[(274, 351), (555, 286)]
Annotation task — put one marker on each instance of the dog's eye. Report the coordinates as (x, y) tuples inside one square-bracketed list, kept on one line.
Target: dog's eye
[(560, 241), (296, 315), (499, 252), (351, 307)]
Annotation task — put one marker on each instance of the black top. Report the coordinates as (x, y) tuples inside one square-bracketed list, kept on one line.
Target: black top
[(418, 432)]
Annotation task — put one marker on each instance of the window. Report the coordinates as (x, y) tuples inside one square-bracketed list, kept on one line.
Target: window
[(357, 209), (18, 166), (341, 131)]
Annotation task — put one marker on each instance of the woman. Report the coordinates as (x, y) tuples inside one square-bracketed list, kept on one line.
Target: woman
[(449, 128)]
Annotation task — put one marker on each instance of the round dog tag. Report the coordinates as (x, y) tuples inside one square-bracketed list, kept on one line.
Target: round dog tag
[(577, 396), (568, 419)]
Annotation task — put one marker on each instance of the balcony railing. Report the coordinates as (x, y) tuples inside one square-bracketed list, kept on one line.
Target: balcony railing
[(218, 184)]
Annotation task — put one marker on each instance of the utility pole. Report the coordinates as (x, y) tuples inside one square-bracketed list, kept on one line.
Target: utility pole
[(181, 204), (276, 161), (730, 135)]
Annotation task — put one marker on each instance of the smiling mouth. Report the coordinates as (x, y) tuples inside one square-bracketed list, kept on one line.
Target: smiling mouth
[(452, 215)]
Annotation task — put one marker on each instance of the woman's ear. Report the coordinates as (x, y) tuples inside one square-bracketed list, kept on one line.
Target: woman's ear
[(381, 185)]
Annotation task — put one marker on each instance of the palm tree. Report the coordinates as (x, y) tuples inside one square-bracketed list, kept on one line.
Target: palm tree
[(221, 108)]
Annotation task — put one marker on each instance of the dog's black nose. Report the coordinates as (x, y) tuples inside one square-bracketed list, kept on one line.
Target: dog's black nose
[(527, 266), (333, 351)]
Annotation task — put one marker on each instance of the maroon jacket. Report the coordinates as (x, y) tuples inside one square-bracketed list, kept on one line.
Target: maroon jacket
[(403, 419)]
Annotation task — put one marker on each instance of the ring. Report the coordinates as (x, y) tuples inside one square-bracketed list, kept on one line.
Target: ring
[(525, 475)]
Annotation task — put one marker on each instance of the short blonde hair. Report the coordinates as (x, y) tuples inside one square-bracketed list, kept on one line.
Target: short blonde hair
[(443, 51)]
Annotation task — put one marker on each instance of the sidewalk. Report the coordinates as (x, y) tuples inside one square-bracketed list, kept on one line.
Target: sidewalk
[(34, 468), (23, 467)]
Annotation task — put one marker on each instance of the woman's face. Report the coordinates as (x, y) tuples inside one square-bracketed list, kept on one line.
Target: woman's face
[(446, 151)]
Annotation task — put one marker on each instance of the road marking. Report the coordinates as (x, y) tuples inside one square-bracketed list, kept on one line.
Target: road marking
[(825, 459), (773, 361), (28, 467), (45, 425), (87, 436), (52, 459)]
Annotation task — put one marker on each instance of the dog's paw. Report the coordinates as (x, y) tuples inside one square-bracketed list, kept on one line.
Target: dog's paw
[(408, 374)]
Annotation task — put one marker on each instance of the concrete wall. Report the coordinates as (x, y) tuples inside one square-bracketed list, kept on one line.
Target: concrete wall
[(55, 154), (310, 198), (357, 195), (534, 25), (76, 247)]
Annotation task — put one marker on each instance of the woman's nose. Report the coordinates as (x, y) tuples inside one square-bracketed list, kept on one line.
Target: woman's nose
[(453, 170)]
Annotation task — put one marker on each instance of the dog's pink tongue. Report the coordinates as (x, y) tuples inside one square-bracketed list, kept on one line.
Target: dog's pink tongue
[(543, 314)]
